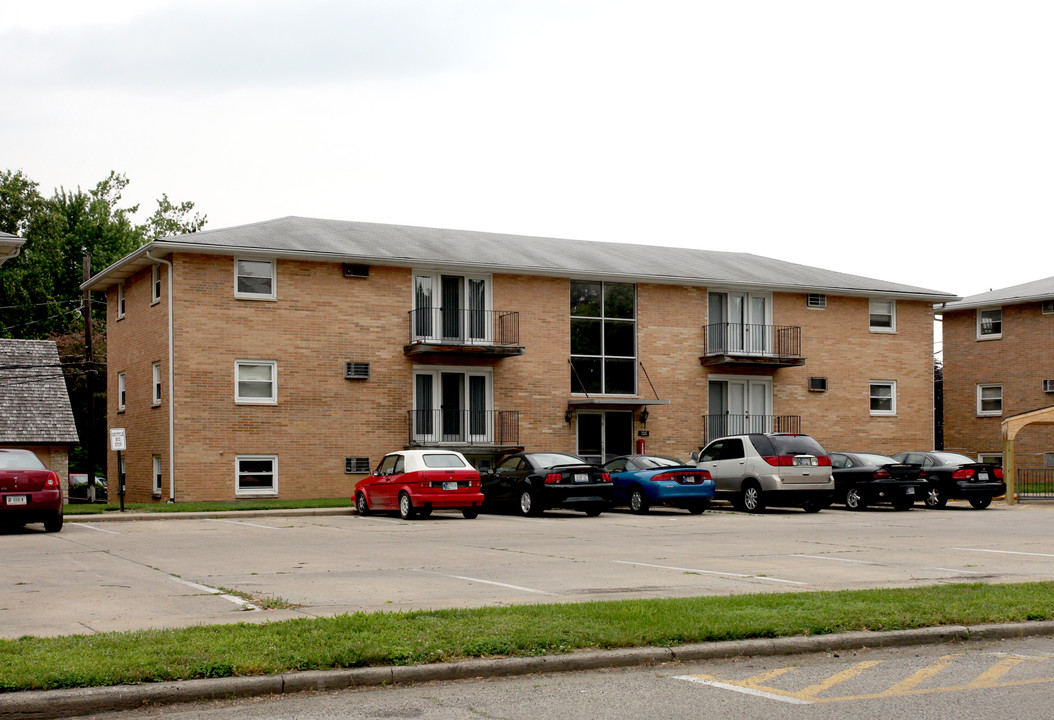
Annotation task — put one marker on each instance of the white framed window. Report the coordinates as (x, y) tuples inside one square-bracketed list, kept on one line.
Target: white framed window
[(1047, 307), (994, 458), (256, 382), (453, 404), (1048, 459), (883, 397), (255, 475), (122, 390), (603, 338), (155, 374), (155, 284), (990, 400), (452, 308), (882, 315), (254, 279), (156, 474), (816, 301), (989, 323), (120, 301)]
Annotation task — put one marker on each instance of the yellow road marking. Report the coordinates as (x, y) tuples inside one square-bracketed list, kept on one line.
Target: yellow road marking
[(813, 690), (922, 675)]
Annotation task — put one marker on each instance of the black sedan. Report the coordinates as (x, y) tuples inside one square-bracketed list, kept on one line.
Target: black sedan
[(536, 481), (952, 476), (862, 479)]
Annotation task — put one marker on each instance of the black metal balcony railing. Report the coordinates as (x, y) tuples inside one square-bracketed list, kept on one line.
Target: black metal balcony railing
[(471, 427), (464, 326), (1035, 483), (715, 426), (778, 341)]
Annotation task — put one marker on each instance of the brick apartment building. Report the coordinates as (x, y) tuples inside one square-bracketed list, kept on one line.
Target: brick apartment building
[(302, 350), (999, 362)]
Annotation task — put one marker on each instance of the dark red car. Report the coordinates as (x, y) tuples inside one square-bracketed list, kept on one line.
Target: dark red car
[(29, 492), (415, 482)]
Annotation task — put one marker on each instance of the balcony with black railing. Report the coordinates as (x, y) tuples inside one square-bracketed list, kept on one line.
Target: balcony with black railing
[(488, 428), (715, 426), (751, 344), (463, 331)]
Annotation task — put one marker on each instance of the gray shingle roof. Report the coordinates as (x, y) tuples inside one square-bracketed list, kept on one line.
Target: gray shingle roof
[(1026, 292), (379, 244), (34, 405)]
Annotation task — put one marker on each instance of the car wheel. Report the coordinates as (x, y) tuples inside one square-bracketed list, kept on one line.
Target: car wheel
[(853, 500), (406, 507), (470, 513), (751, 499), (980, 503), (53, 523), (529, 505), (935, 498), (638, 501), (698, 508), (361, 506), (904, 503)]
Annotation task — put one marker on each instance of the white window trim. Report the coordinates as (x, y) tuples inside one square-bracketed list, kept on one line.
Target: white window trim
[(822, 301), (273, 399), (256, 492), (996, 458), (257, 296), (883, 413), (122, 392), (989, 413), (892, 319), (990, 336), (155, 384), (155, 475), (436, 371), (155, 284), (120, 300)]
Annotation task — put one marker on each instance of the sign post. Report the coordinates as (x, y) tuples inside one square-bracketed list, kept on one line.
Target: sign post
[(119, 442)]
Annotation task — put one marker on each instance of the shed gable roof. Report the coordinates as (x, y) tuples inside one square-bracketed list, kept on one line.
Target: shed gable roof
[(34, 405)]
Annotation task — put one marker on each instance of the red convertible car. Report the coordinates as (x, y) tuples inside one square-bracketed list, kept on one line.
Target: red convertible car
[(29, 492), (415, 482)]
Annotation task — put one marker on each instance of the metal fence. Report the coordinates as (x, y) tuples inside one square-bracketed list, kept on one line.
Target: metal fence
[(715, 426), (751, 339), (470, 427), (1035, 483), (464, 326)]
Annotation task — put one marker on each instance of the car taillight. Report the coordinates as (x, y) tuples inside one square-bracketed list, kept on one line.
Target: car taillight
[(53, 479), (998, 472), (553, 478), (779, 460), (882, 474), (962, 474), (605, 477), (823, 461)]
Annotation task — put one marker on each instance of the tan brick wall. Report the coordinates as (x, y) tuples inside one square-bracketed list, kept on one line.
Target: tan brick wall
[(1020, 360)]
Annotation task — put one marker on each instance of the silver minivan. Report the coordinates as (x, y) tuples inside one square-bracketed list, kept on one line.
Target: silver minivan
[(769, 469)]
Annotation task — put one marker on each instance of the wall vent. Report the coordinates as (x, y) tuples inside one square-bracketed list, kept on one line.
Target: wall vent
[(357, 371), (356, 465), (356, 271), (817, 384)]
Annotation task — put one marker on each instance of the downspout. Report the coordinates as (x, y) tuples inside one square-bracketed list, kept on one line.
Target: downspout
[(171, 388)]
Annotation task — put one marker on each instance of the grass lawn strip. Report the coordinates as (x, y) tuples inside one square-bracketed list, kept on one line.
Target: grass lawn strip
[(406, 638), (184, 507)]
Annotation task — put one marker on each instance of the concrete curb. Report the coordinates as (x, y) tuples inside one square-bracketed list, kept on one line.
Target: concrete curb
[(44, 704)]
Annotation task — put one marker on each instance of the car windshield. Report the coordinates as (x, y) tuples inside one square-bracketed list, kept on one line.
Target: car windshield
[(656, 461), (871, 459), (951, 458), (443, 460), (551, 459), (18, 460)]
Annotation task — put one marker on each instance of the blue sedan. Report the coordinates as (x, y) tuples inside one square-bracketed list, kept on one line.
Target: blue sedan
[(641, 481)]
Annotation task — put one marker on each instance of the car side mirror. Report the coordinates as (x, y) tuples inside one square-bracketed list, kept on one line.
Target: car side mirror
[(695, 456)]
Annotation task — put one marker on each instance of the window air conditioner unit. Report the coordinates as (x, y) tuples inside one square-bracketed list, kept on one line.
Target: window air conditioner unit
[(356, 271), (356, 465), (816, 300), (356, 371), (1048, 386), (817, 384)]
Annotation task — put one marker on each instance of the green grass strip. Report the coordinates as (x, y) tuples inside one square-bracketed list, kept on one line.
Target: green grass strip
[(163, 507), (406, 638)]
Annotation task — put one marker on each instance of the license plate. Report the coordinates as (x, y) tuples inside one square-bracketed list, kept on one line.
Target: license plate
[(909, 491), (689, 479), (450, 485), (804, 460), (16, 499), (982, 476), (581, 477)]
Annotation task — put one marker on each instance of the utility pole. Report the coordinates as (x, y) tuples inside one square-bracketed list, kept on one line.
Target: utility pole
[(89, 377)]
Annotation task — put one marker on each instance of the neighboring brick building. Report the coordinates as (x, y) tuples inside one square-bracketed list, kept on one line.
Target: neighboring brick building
[(999, 362), (305, 349), (35, 412)]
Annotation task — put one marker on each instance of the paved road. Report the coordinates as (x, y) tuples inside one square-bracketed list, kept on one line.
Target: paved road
[(104, 576), (969, 681)]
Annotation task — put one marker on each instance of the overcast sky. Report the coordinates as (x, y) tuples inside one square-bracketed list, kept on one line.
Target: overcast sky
[(907, 140)]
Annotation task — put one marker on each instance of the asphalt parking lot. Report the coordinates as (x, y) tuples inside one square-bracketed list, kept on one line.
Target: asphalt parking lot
[(103, 576)]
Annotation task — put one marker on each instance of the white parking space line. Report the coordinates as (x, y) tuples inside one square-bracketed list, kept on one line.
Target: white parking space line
[(711, 572), (1003, 552), (491, 582), (96, 529), (970, 572), (834, 559), (216, 591), (242, 522), (744, 690)]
